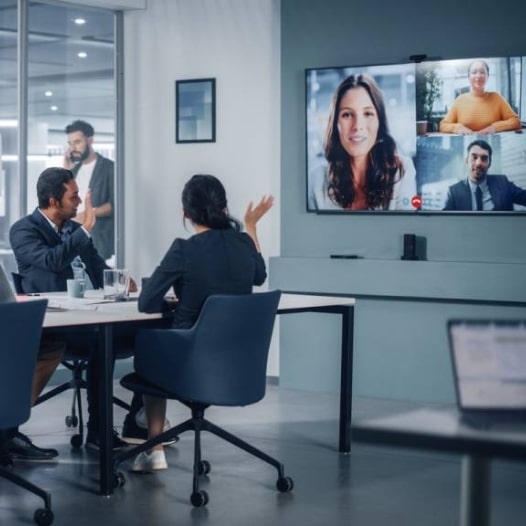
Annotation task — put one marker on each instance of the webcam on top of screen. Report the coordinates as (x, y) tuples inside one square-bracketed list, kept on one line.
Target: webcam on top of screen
[(418, 58)]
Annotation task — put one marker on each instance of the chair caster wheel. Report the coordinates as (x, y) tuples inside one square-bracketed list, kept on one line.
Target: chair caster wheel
[(72, 421), (43, 517), (199, 499), (119, 480), (204, 467), (284, 484), (76, 441)]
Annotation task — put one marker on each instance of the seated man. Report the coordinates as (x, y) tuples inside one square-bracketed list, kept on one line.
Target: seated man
[(46, 243)]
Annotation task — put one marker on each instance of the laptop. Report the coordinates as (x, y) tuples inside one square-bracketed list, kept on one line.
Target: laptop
[(6, 292), (489, 366)]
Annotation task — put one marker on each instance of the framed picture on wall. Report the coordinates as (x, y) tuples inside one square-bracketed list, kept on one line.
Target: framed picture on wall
[(195, 110)]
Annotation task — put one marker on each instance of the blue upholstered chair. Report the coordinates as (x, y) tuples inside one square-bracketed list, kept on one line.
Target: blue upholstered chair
[(221, 360), (20, 329)]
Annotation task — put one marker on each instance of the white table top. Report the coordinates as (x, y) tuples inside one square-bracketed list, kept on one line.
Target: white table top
[(305, 301), (93, 309)]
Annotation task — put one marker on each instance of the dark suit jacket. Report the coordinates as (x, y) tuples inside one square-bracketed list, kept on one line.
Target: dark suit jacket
[(102, 184), (44, 261), (212, 262), (503, 194)]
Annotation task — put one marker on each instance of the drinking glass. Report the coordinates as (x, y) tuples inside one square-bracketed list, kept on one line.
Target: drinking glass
[(116, 284)]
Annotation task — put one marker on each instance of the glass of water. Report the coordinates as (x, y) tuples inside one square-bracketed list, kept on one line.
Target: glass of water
[(116, 284)]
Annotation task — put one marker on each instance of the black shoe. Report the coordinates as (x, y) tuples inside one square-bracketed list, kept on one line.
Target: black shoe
[(6, 462), (93, 443), (133, 433), (21, 448)]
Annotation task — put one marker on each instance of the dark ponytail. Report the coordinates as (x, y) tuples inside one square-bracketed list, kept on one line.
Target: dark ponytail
[(204, 203)]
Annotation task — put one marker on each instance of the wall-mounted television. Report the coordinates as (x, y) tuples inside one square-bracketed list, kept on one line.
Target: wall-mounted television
[(435, 136)]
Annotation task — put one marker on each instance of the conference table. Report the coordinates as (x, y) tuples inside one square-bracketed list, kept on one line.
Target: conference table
[(95, 312), (444, 430)]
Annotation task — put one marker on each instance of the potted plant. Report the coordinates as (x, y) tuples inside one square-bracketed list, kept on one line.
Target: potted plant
[(428, 88)]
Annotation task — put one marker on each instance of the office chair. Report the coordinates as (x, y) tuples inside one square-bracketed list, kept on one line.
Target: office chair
[(75, 360), (221, 360), (21, 327)]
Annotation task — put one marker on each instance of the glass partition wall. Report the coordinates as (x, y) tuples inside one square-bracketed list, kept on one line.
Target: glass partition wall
[(61, 71), (9, 190)]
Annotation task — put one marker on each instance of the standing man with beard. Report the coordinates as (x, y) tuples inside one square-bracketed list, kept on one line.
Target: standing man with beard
[(93, 172), (481, 191)]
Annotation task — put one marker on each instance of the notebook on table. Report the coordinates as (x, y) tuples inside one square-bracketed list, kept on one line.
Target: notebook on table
[(6, 292), (489, 366)]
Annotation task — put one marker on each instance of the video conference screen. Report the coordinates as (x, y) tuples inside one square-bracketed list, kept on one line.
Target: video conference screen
[(435, 136)]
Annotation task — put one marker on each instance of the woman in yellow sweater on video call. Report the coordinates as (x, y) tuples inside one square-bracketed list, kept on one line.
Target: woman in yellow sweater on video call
[(479, 111)]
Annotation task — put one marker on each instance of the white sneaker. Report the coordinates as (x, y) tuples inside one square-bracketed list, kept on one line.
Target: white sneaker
[(140, 420), (147, 462)]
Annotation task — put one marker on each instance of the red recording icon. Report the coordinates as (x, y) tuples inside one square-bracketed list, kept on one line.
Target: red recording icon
[(416, 201)]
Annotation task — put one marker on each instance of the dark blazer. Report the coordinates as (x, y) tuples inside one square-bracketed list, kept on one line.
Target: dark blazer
[(212, 262), (503, 194), (44, 261), (102, 191)]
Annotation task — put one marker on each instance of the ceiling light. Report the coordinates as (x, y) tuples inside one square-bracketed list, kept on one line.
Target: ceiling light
[(79, 21), (8, 123), (53, 108), (48, 93), (82, 54)]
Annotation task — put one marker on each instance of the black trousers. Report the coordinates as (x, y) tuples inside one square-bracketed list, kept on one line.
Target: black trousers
[(5, 436), (82, 342)]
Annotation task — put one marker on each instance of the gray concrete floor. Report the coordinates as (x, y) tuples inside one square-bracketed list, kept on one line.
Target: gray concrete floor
[(371, 486)]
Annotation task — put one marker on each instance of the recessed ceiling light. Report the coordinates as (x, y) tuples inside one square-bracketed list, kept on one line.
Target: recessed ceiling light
[(79, 21), (48, 93), (82, 54), (53, 108), (8, 123)]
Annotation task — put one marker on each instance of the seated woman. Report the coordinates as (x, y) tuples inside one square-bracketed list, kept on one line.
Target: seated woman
[(479, 111), (217, 259)]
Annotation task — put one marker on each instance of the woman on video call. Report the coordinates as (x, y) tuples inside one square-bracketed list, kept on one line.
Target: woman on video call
[(364, 171), (479, 111)]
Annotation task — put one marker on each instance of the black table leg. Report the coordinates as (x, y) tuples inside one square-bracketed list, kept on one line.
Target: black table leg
[(346, 379), (106, 410), (475, 491)]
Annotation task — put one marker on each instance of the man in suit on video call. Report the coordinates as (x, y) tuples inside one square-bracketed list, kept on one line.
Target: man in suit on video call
[(480, 190)]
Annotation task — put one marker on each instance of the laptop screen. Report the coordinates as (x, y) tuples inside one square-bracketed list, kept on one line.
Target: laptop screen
[(6, 293), (489, 363)]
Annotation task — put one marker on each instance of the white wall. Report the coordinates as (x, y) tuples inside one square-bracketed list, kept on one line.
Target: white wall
[(237, 42)]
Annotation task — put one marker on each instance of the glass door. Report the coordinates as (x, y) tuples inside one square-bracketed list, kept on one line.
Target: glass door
[(71, 106)]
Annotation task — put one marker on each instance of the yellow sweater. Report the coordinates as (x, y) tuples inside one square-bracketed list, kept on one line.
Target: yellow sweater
[(478, 112)]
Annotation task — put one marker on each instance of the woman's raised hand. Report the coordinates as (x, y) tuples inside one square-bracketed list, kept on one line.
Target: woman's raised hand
[(254, 213)]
